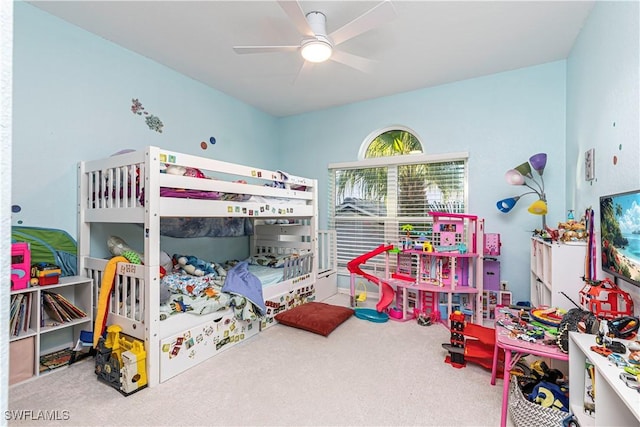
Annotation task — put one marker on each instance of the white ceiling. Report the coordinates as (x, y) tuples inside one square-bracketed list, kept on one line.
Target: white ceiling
[(428, 43)]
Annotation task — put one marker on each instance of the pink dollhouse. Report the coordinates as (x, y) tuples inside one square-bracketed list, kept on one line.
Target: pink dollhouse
[(442, 275)]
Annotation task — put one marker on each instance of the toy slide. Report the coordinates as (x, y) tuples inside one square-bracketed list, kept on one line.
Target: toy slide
[(387, 294)]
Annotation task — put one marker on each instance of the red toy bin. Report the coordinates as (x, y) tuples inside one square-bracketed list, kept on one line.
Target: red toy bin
[(47, 274), (48, 280), (20, 265)]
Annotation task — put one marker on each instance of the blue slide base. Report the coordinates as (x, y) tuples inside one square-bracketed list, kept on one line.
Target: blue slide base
[(371, 315)]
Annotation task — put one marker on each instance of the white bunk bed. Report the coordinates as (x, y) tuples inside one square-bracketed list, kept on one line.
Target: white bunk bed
[(137, 188)]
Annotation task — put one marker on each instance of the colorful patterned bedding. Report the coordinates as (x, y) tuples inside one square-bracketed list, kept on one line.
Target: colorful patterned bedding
[(206, 294)]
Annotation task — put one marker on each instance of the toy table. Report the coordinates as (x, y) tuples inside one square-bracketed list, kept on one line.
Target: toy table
[(514, 349)]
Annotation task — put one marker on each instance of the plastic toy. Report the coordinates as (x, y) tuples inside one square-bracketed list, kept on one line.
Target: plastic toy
[(387, 293), (20, 265), (362, 296), (45, 273), (394, 313), (548, 316), (460, 248), (106, 287), (633, 370), (120, 362), (371, 315), (602, 351), (624, 327), (541, 372), (549, 395), (407, 228), (471, 343), (617, 360), (456, 343), (604, 338), (630, 381), (412, 286), (605, 299)]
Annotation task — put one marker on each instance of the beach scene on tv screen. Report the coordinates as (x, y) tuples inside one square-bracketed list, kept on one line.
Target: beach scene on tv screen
[(620, 234)]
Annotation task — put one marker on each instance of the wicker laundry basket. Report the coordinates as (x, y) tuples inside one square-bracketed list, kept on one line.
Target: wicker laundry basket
[(528, 414)]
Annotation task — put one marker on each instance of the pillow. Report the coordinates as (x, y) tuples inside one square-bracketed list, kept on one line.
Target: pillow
[(317, 317)]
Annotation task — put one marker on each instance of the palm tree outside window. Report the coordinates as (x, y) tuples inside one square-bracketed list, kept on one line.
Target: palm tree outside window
[(392, 185)]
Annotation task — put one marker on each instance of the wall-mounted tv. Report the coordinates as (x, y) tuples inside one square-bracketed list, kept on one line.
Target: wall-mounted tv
[(620, 235)]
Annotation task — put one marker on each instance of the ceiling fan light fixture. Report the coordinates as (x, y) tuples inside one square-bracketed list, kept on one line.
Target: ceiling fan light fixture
[(316, 50)]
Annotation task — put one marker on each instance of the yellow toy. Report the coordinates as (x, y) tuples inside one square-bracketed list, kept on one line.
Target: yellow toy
[(102, 310), (362, 296), (121, 361)]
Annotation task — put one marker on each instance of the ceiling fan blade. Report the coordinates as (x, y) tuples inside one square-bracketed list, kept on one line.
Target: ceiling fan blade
[(264, 49), (354, 61), (375, 17), (303, 71), (297, 16)]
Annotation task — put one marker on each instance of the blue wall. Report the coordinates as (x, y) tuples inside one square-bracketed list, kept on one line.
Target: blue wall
[(500, 120), (73, 90), (72, 101), (603, 102)]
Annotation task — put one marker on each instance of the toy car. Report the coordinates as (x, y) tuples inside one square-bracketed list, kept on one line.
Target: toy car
[(617, 360), (634, 357), (632, 370), (630, 381), (603, 351), (525, 337), (537, 333)]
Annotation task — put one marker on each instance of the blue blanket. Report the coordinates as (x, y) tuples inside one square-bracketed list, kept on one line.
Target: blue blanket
[(240, 281)]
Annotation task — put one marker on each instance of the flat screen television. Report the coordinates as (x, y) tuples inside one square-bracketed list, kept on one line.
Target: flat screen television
[(620, 235)]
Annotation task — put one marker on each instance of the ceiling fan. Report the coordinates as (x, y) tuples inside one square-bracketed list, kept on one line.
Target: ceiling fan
[(318, 46)]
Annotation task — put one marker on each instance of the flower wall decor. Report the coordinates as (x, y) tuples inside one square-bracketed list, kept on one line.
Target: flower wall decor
[(153, 122)]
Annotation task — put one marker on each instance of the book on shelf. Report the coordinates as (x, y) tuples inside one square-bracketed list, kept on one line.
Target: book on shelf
[(73, 310), (27, 322), (59, 308), (20, 313), (55, 360), (51, 309), (15, 309)]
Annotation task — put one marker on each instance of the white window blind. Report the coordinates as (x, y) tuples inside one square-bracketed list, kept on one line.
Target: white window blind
[(370, 201)]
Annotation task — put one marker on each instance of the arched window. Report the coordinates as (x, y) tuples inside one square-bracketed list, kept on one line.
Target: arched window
[(391, 141)]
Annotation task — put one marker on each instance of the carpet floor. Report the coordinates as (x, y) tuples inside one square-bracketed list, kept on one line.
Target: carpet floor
[(363, 374)]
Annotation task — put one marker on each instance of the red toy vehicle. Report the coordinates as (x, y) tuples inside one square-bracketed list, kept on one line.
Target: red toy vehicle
[(604, 299)]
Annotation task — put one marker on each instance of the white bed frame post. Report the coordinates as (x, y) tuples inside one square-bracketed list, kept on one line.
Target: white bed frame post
[(84, 228), (314, 234), (152, 266)]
